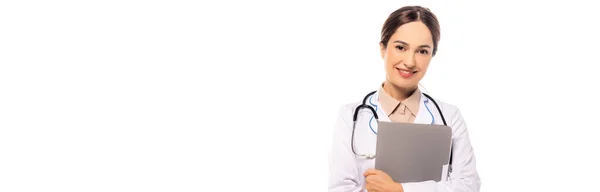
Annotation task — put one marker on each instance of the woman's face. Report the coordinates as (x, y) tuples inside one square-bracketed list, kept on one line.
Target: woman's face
[(407, 55)]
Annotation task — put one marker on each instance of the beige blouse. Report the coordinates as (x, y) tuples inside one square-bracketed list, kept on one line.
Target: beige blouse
[(400, 111)]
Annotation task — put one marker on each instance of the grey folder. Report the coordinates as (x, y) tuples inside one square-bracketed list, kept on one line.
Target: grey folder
[(413, 152)]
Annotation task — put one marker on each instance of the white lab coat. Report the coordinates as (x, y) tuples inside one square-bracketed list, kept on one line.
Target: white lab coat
[(346, 170)]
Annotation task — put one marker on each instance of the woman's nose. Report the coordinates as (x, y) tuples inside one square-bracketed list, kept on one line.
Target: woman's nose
[(410, 62)]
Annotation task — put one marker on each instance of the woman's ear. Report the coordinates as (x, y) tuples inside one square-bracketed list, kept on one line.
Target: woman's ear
[(382, 49)]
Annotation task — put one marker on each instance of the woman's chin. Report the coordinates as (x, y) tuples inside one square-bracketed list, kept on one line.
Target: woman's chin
[(403, 84)]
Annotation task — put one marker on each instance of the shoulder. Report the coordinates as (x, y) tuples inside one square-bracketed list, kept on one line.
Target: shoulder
[(451, 112), (453, 117), (350, 105), (346, 110), (360, 98), (445, 106)]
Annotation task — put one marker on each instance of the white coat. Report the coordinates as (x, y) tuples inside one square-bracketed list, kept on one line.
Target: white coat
[(346, 170)]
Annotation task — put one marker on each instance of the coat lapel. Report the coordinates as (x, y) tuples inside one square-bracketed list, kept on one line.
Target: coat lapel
[(424, 115)]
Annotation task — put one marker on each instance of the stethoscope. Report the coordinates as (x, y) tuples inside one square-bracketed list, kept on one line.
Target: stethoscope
[(373, 110)]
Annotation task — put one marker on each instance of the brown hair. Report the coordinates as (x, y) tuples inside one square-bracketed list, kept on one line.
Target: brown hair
[(409, 14)]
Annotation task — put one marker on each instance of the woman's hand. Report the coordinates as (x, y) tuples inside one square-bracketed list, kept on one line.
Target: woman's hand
[(378, 181)]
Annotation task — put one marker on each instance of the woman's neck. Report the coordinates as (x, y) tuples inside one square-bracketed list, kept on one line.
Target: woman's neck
[(396, 92)]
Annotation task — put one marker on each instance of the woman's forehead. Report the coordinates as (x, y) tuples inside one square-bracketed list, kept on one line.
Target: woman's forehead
[(415, 33)]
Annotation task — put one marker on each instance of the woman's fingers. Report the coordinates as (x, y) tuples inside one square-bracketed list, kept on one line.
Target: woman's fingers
[(373, 172)]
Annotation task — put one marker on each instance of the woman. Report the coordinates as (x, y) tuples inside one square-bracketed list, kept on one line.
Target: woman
[(409, 40)]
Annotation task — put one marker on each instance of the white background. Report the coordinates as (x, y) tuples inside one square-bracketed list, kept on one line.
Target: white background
[(242, 96)]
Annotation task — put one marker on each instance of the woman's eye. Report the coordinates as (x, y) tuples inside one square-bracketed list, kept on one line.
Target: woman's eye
[(424, 52), (400, 48)]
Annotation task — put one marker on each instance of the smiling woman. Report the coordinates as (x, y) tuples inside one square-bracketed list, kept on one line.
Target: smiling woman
[(409, 40)]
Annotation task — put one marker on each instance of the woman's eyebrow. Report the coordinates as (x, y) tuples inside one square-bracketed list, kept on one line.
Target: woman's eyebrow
[(404, 43), (401, 42)]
